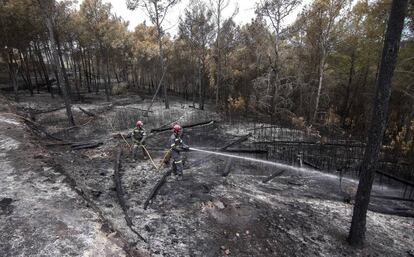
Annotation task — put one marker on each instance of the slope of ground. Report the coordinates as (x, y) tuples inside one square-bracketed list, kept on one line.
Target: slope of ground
[(299, 213), (40, 213)]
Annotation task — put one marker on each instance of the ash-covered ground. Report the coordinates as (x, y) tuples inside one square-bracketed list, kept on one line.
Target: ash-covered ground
[(56, 201)]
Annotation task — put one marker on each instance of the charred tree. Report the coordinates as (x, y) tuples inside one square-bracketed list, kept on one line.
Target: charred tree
[(55, 58), (389, 57)]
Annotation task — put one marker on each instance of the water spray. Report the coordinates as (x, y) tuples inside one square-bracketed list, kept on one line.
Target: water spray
[(277, 164)]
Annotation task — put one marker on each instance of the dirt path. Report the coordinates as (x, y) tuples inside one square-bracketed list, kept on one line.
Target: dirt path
[(40, 214)]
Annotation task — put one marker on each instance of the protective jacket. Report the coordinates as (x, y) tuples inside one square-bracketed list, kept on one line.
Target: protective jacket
[(138, 135), (177, 145)]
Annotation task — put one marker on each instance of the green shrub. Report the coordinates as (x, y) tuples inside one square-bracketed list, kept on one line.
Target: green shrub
[(119, 89)]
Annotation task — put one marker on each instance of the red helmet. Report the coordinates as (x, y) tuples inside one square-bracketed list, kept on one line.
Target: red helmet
[(177, 129), (139, 124)]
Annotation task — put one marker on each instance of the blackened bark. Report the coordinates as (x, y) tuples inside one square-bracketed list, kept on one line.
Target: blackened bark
[(13, 75), (43, 5), (62, 65), (389, 57)]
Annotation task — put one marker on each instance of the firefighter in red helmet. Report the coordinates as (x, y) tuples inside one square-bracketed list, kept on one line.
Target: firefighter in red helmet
[(138, 138), (177, 146)]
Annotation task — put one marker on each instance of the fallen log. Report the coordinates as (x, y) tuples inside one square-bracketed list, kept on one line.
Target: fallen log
[(87, 146), (90, 114), (155, 189), (403, 181), (135, 108), (274, 175), (39, 129), (120, 194), (59, 144), (289, 142), (238, 141), (184, 126), (120, 135), (73, 144), (47, 111), (72, 127), (393, 198), (161, 182), (111, 227), (310, 165), (227, 169)]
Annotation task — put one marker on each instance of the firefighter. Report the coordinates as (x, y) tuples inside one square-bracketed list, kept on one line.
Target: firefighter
[(138, 138), (177, 145)]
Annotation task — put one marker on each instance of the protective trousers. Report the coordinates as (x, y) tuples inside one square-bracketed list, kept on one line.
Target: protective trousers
[(177, 163), (136, 146)]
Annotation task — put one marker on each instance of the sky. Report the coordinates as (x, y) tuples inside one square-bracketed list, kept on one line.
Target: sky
[(245, 14)]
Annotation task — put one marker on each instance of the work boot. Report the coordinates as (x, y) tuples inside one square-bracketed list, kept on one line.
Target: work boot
[(180, 177)]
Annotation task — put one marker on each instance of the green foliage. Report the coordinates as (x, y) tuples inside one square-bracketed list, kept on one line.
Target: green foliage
[(270, 69), (120, 89)]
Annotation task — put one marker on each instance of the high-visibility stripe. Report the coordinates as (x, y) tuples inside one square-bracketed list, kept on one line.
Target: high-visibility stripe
[(172, 145), (178, 162)]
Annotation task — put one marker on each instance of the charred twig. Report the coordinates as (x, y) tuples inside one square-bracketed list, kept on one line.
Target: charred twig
[(274, 175), (120, 194), (90, 114)]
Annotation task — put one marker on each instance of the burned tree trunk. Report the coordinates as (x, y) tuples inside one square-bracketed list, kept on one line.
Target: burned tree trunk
[(48, 20), (13, 75), (389, 57), (120, 194)]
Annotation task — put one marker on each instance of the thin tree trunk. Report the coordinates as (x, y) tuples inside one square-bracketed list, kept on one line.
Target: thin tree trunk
[(34, 69), (106, 71), (164, 85), (97, 77), (200, 86), (388, 61), (320, 83), (25, 64), (22, 71), (345, 109), (49, 25), (63, 68), (13, 75), (108, 77)]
